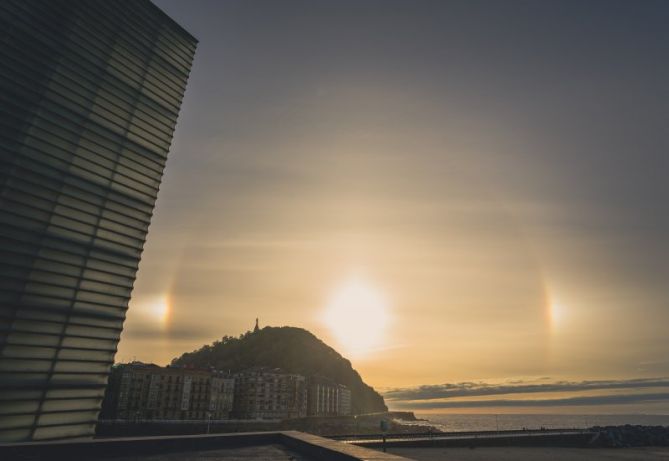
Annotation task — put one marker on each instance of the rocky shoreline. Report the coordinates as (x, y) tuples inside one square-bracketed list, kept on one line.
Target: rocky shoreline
[(631, 436)]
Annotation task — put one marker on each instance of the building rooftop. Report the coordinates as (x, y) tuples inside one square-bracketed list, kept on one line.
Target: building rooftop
[(288, 445), (270, 452)]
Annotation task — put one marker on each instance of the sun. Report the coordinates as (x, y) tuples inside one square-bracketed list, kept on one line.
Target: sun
[(357, 314)]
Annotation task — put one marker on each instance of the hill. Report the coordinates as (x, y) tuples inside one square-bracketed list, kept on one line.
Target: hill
[(294, 350)]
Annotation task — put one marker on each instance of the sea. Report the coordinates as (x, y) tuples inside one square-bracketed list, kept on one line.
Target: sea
[(491, 422)]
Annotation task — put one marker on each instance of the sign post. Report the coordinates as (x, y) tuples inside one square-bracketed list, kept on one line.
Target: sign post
[(384, 428)]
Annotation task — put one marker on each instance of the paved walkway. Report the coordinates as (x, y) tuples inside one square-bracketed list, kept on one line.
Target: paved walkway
[(534, 454), (461, 436)]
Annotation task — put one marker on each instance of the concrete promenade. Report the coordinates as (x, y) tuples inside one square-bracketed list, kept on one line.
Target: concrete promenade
[(533, 454), (545, 438)]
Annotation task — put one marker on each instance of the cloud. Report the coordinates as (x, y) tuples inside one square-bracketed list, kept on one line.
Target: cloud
[(570, 401), (656, 365), (474, 389)]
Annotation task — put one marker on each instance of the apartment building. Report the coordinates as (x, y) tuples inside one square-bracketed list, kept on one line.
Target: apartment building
[(139, 391), (269, 393)]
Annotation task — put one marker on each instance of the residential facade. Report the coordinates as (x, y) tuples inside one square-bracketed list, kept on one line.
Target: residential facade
[(90, 93), (327, 398), (147, 392), (344, 401), (269, 393), (139, 391)]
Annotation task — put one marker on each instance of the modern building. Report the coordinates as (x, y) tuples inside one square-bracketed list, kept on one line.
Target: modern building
[(327, 398), (90, 91), (139, 391), (269, 393)]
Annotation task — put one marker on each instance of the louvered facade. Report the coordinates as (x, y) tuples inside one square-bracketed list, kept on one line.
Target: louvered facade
[(90, 91)]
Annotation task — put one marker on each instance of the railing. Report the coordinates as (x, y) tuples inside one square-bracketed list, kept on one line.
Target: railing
[(352, 438), (185, 421)]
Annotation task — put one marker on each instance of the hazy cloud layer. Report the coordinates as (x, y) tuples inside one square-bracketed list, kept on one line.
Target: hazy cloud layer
[(473, 389), (496, 169), (173, 332)]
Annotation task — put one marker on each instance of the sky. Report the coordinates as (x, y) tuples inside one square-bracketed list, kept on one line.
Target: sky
[(452, 194)]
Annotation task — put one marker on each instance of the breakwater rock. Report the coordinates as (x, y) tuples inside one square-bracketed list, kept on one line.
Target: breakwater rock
[(631, 436)]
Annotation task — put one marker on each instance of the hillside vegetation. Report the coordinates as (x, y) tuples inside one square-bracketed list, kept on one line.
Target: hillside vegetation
[(294, 350)]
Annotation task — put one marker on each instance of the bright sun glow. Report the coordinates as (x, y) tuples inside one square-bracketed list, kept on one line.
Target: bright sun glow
[(159, 309), (357, 314), (557, 313)]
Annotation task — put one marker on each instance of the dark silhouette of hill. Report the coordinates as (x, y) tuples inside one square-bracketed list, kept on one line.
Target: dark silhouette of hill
[(294, 350)]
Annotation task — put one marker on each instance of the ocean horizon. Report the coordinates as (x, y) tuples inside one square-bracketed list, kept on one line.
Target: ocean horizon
[(448, 422)]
